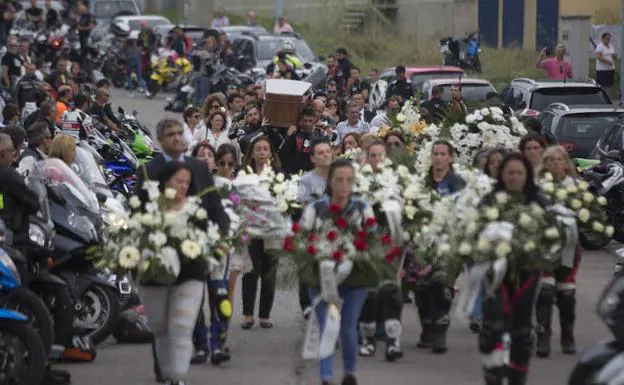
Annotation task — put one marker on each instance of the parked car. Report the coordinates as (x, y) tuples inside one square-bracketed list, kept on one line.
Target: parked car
[(419, 75), (106, 10), (236, 30), (529, 97), (473, 89), (577, 127), (133, 23), (195, 32), (611, 140)]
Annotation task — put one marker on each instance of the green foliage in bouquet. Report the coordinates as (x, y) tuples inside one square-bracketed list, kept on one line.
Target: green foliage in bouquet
[(371, 251), (589, 209)]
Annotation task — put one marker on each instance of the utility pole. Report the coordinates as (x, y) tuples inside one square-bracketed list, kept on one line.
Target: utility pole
[(279, 9)]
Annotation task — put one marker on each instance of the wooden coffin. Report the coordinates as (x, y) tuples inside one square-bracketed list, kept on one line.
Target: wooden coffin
[(284, 100)]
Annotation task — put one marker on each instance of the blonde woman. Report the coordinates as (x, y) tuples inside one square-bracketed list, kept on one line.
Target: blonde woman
[(64, 148), (560, 287)]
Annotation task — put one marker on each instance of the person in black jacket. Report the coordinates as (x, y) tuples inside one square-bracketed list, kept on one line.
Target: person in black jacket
[(436, 107), (170, 134), (299, 143)]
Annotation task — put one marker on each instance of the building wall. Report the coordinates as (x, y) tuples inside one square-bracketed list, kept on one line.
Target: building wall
[(426, 19), (600, 10)]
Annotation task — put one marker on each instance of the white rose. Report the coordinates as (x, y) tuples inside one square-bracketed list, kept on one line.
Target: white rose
[(201, 214), (170, 193), (401, 117), (485, 112), (588, 197), (572, 189), (170, 218), (548, 176), (367, 168), (280, 177), (529, 246), (584, 215), (491, 213), (548, 188), (609, 231), (129, 257), (561, 195), (471, 228), (444, 249), (501, 198), (158, 239), (525, 220), (282, 206), (583, 185), (483, 245), (551, 233), (403, 171), (134, 202), (410, 212), (598, 227), (602, 201), (190, 249), (464, 248), (576, 204), (470, 118), (502, 249)]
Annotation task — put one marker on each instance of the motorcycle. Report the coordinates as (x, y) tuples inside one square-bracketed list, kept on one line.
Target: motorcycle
[(168, 69), (75, 212), (23, 355), (136, 136), (463, 53), (606, 180), (604, 363)]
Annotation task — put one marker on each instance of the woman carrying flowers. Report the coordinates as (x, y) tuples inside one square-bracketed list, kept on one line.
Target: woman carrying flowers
[(560, 287), (434, 295), (339, 243), (384, 303)]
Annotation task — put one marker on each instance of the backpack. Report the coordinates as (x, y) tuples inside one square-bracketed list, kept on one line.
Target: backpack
[(26, 92)]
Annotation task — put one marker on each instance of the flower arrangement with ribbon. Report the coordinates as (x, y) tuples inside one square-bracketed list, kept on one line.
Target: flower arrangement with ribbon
[(153, 244), (407, 121), (284, 190), (371, 252), (527, 235), (588, 208), (484, 128)]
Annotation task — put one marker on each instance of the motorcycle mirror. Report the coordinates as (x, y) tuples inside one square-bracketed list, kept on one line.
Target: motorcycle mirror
[(307, 66), (121, 110), (613, 155)]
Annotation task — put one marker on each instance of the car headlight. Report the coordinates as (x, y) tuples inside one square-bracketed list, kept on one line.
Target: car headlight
[(36, 234), (7, 262)]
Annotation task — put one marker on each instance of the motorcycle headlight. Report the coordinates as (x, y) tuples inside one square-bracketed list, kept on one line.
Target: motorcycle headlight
[(9, 264), (36, 234)]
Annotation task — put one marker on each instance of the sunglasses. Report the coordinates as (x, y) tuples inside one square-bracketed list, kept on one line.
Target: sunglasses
[(215, 106), (223, 163), (195, 116)]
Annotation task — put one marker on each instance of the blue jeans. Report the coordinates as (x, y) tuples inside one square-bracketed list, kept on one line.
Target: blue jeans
[(135, 66), (477, 312), (349, 314), (202, 90)]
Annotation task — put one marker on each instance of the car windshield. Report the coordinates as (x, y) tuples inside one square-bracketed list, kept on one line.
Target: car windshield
[(152, 23), (585, 126), (267, 49), (109, 9), (470, 92), (542, 98), (419, 78)]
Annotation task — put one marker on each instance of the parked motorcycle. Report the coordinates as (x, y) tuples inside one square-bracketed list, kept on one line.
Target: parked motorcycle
[(604, 363), (463, 53), (23, 355), (75, 212), (168, 69)]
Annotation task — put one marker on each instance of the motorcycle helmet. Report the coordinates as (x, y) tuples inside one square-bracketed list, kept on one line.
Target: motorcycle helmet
[(76, 123), (288, 46)]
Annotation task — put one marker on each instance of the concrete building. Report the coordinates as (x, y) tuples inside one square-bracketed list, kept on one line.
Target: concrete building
[(534, 24)]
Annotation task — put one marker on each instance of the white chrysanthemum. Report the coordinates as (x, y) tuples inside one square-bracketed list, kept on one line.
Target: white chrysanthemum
[(134, 202), (576, 204), (598, 227), (588, 197), (548, 176), (551, 233), (529, 246), (401, 117), (483, 245), (491, 213), (190, 249), (602, 201), (152, 189), (170, 193), (170, 218), (561, 195), (158, 239), (129, 257), (548, 187), (501, 198), (201, 214), (410, 212), (464, 249), (584, 215), (572, 189), (582, 185), (525, 220), (444, 249), (502, 249), (609, 231)]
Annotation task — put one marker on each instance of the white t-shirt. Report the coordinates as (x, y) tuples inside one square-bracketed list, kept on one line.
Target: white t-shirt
[(607, 53)]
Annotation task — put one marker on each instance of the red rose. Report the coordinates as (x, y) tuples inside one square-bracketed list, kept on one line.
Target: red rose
[(362, 234), (311, 250), (370, 222), (342, 223), (390, 257), (360, 244), (396, 251), (332, 235), (312, 237), (296, 228), (335, 209), (289, 245), (337, 255), (386, 239)]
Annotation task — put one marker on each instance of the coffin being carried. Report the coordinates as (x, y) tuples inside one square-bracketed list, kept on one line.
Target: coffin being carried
[(284, 100)]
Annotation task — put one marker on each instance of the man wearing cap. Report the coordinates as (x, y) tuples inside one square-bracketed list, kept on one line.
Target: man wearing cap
[(400, 86)]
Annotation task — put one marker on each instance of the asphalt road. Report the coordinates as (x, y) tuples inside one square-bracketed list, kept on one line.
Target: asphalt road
[(271, 357)]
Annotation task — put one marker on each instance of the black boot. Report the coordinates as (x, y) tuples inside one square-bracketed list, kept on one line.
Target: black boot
[(425, 336), (516, 377), (438, 338), (494, 376), (543, 315), (566, 302)]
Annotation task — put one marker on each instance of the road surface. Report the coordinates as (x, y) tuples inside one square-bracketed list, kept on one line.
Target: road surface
[(271, 357)]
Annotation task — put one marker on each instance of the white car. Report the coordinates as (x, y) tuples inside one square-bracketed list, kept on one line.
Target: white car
[(133, 23)]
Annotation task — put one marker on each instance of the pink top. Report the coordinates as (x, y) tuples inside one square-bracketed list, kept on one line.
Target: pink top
[(557, 70), (285, 28)]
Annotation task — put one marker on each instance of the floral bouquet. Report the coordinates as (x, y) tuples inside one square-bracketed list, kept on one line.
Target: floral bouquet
[(371, 252), (153, 244), (350, 154), (481, 129), (407, 121), (284, 190), (527, 235), (593, 222)]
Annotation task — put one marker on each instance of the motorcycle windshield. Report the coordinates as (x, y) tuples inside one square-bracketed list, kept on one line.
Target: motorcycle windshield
[(38, 187), (87, 169), (53, 172), (127, 151)]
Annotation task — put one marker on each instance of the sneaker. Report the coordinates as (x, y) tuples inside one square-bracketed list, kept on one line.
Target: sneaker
[(200, 357), (218, 357)]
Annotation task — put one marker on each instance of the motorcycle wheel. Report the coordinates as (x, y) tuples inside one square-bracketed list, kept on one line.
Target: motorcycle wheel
[(152, 88), (26, 302), (590, 240), (100, 310), (477, 64), (61, 305), (22, 354)]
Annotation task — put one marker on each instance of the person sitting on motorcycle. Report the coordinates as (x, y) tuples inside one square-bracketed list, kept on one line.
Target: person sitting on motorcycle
[(284, 71), (290, 55), (100, 110), (181, 43)]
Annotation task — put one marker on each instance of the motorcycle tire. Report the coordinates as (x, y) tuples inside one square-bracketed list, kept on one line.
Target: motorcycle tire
[(152, 88), (59, 302), (477, 64), (28, 303), (24, 372), (589, 240), (109, 297)]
